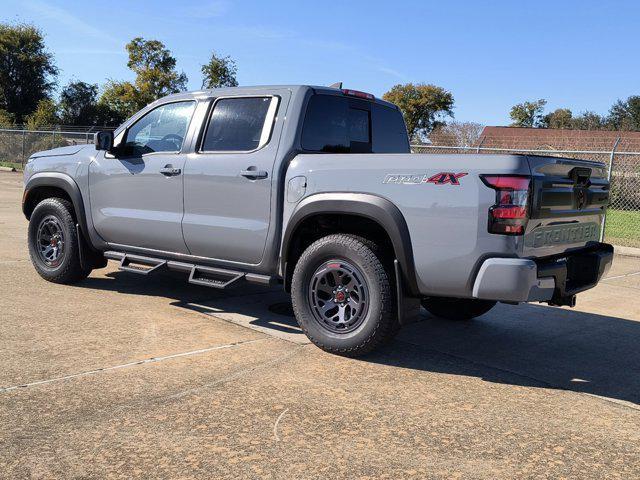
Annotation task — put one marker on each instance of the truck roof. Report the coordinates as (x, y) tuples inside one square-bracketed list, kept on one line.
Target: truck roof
[(205, 93)]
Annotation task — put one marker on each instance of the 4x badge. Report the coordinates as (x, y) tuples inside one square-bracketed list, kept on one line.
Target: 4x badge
[(442, 178)]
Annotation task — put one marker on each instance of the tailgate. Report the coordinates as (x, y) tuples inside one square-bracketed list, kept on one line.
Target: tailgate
[(569, 198)]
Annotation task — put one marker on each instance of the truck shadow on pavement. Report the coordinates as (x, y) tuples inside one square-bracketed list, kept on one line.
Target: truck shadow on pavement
[(526, 345), (529, 345)]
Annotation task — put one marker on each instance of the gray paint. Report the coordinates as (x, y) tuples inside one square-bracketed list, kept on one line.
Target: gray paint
[(211, 215)]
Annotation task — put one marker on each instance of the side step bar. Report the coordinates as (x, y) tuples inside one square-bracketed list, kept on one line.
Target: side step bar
[(198, 274), (214, 277), (141, 265)]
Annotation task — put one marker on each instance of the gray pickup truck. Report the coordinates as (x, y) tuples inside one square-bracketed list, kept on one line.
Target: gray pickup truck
[(316, 188)]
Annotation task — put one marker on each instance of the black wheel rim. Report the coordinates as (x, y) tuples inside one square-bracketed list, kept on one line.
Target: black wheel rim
[(50, 241), (338, 296)]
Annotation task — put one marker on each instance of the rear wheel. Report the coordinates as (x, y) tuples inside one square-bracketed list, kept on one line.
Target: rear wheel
[(342, 295), (457, 308), (53, 242)]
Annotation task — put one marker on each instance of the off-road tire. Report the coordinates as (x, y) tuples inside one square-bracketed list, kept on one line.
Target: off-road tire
[(69, 270), (379, 325), (457, 308)]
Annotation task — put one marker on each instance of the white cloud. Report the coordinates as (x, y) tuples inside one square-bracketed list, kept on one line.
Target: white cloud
[(69, 20)]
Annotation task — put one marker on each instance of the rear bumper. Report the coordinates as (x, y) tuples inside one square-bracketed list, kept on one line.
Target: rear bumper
[(553, 279)]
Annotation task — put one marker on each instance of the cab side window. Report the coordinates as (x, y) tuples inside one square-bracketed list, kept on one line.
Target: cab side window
[(163, 129), (239, 124)]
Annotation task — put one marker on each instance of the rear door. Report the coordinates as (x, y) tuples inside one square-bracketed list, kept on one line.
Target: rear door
[(228, 179), (569, 198)]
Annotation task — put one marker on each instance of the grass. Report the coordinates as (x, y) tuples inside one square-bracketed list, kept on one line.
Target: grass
[(16, 165), (623, 227)]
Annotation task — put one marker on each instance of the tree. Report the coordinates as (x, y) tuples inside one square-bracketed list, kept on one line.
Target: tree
[(45, 115), (625, 114), (6, 119), (588, 121), (27, 70), (528, 114), (559, 118), (219, 72), (156, 76), (79, 104), (463, 134), (424, 106)]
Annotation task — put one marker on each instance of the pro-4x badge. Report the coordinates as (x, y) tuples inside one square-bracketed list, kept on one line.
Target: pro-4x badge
[(442, 178)]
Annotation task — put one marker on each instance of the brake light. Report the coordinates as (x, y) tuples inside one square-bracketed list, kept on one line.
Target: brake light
[(356, 93), (510, 213)]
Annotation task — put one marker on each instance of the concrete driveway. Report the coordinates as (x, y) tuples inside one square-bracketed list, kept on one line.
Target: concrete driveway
[(126, 376)]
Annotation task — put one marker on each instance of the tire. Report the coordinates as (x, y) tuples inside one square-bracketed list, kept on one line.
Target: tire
[(457, 308), (52, 218), (368, 318)]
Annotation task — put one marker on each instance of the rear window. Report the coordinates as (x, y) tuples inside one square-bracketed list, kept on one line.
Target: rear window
[(346, 125)]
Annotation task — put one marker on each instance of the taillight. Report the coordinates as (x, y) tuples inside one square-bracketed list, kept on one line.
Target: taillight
[(510, 213)]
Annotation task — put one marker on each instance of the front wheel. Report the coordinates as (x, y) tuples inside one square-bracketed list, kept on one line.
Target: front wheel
[(53, 242), (457, 308), (342, 295)]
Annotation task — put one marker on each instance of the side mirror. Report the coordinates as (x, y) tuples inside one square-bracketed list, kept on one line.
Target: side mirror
[(103, 140)]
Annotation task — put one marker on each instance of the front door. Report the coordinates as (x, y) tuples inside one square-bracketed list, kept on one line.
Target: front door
[(137, 196), (228, 179)]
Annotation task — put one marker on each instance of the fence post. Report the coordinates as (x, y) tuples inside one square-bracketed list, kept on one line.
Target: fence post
[(613, 154), (480, 144), (24, 134), (53, 139)]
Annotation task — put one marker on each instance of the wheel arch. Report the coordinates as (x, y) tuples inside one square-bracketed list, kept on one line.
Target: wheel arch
[(54, 184), (373, 210)]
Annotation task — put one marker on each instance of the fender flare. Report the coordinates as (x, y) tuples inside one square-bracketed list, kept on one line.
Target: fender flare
[(63, 182), (373, 207)]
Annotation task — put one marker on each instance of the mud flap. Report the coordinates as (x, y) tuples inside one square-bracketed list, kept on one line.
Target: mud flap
[(408, 307)]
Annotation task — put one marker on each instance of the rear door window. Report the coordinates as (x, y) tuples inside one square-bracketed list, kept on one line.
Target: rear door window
[(239, 124)]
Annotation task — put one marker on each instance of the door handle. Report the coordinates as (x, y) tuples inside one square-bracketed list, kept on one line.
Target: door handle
[(253, 174), (170, 171)]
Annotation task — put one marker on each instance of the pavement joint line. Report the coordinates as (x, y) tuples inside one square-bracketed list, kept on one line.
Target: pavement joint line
[(128, 364), (622, 403), (622, 276), (238, 374)]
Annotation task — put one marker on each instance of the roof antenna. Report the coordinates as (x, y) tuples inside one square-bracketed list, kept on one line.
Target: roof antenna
[(336, 85)]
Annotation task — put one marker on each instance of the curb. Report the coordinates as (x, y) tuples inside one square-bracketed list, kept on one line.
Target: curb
[(7, 169), (626, 251)]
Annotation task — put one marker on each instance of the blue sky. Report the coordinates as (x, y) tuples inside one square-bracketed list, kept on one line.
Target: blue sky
[(489, 54)]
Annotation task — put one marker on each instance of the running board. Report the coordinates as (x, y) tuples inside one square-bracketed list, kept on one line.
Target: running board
[(214, 277), (207, 276), (141, 265)]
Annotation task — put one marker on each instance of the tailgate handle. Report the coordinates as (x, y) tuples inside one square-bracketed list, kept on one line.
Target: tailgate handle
[(580, 176)]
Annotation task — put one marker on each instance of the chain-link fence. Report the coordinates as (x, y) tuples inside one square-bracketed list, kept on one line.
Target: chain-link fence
[(622, 224), (16, 146)]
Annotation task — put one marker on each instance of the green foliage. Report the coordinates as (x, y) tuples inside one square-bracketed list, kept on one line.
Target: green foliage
[(625, 114), (45, 115), (219, 72), (528, 114), (559, 118), (424, 106), (588, 121), (156, 77), (79, 104), (27, 70), (6, 119)]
